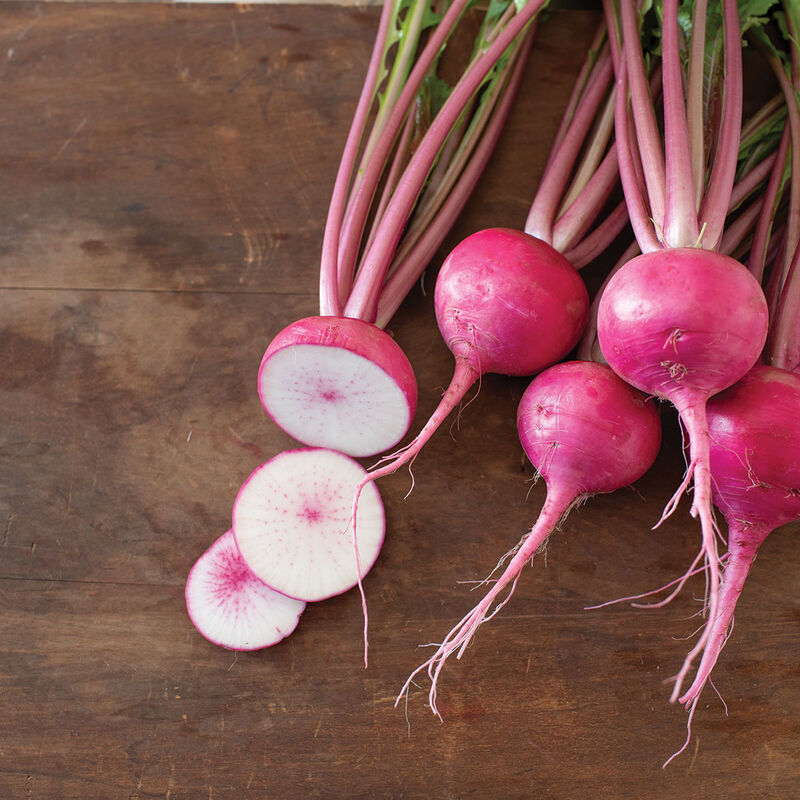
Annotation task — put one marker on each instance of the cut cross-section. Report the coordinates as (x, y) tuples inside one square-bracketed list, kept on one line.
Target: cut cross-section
[(339, 383), (231, 607), (291, 521)]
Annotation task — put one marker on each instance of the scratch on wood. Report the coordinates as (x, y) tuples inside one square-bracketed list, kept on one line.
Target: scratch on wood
[(317, 729), (7, 529), (69, 139), (26, 30)]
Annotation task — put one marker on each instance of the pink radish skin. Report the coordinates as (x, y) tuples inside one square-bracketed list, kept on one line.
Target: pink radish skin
[(505, 302), (586, 432), (291, 517), (754, 429), (338, 383), (231, 607), (683, 324)]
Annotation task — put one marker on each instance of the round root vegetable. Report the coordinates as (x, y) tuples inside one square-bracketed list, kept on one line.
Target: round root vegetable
[(338, 383), (683, 324), (231, 607), (290, 520), (586, 432), (507, 303), (754, 430)]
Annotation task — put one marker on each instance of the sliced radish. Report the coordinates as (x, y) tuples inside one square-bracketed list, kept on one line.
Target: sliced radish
[(231, 607), (340, 383), (291, 521)]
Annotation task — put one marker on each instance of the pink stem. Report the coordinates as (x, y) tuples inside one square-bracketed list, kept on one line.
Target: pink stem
[(578, 89), (695, 122), (758, 250), (648, 138), (541, 217), (737, 231), (714, 208), (638, 213), (412, 264), (358, 207), (578, 218), (363, 300), (329, 291), (600, 239), (793, 112), (743, 188), (784, 338), (680, 216), (398, 162)]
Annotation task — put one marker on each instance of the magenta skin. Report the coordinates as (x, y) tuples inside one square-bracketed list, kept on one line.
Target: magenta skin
[(509, 303), (359, 337), (683, 322), (754, 428), (584, 428)]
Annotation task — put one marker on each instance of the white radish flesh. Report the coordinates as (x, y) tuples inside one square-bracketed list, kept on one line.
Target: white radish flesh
[(231, 607), (338, 383), (291, 521)]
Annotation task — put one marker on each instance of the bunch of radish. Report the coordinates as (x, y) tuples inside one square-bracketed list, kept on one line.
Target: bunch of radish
[(338, 381), (309, 523), (658, 332)]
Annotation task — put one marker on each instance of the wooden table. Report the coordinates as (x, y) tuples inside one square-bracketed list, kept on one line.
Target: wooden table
[(165, 176)]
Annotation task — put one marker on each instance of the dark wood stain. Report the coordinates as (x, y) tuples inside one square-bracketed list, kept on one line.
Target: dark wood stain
[(158, 230)]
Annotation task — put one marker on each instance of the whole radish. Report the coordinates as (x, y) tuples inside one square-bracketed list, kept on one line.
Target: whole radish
[(754, 430), (681, 321), (587, 432)]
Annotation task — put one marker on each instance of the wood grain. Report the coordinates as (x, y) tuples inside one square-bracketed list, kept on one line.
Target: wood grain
[(165, 175)]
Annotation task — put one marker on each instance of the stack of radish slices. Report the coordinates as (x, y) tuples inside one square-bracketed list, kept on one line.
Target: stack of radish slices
[(248, 590)]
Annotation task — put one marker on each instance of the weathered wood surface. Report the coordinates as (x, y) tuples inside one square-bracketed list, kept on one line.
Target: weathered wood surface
[(165, 175)]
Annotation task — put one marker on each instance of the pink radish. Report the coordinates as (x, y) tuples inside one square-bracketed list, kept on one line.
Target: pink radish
[(340, 383), (586, 432), (681, 321), (231, 607), (505, 302), (290, 520), (754, 430)]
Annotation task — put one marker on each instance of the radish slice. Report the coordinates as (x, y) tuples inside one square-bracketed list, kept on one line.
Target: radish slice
[(231, 607), (291, 521), (339, 383)]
